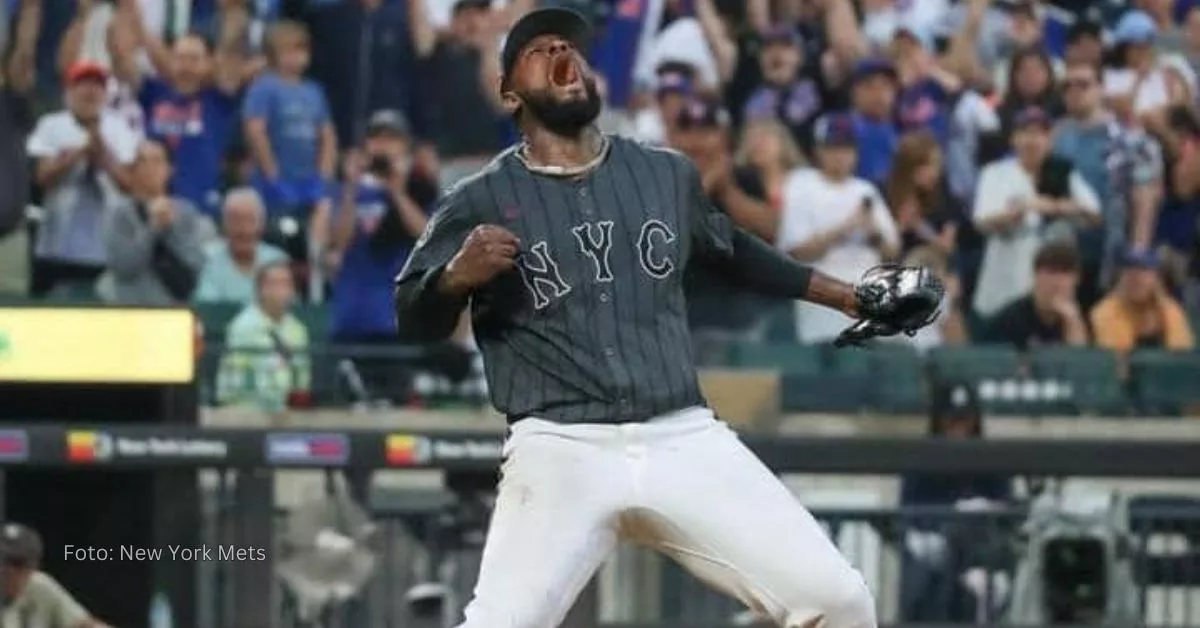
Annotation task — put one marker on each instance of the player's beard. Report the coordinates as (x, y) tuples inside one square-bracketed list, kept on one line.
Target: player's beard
[(564, 118)]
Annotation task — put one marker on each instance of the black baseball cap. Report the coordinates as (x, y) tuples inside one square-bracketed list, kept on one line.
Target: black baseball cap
[(566, 23), (20, 544), (388, 121)]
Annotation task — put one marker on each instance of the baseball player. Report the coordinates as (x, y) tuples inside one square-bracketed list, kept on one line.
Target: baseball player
[(569, 249)]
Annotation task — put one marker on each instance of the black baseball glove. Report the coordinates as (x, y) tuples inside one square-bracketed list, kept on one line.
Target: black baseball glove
[(892, 300)]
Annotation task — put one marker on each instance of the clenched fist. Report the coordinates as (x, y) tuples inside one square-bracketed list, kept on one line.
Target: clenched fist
[(488, 251)]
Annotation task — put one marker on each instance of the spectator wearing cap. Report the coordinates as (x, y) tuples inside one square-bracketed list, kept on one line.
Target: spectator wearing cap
[(1050, 314), (231, 262), (155, 240), (363, 55), (703, 135), (17, 77), (1123, 164), (927, 90), (82, 159), (873, 100), (675, 86), (30, 596), (949, 571), (1021, 202), (835, 221), (462, 68), (1142, 85), (382, 206), (190, 106), (793, 88), (1139, 313), (288, 128)]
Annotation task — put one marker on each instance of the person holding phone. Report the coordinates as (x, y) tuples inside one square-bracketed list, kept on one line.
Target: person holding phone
[(834, 220)]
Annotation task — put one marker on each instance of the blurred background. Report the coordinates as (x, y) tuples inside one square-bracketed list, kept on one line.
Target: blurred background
[(263, 168)]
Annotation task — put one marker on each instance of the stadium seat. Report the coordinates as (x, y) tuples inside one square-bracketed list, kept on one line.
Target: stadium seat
[(1092, 374), (215, 317), (806, 384), (975, 363), (995, 369), (1165, 382), (899, 380), (779, 324), (788, 359), (316, 318)]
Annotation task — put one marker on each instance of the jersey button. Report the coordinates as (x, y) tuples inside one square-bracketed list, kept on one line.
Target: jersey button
[(604, 297), (582, 192), (609, 351)]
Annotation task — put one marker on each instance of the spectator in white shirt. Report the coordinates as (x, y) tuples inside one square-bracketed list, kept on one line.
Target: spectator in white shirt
[(83, 154), (1021, 202), (834, 221)]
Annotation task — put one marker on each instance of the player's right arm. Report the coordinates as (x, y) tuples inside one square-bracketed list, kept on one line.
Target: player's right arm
[(455, 256)]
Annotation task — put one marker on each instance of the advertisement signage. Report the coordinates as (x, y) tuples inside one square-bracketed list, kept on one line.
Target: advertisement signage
[(293, 448), (109, 345), (14, 446)]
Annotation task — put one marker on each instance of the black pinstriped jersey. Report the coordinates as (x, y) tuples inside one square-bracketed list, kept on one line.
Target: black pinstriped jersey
[(592, 324)]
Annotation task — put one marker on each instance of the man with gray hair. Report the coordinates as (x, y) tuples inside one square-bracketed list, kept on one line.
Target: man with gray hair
[(28, 595), (231, 262)]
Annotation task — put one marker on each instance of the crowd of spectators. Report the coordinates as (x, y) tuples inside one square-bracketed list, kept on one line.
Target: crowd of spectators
[(1042, 156)]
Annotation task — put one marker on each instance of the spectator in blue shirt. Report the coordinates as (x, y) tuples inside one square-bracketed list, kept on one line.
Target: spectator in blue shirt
[(288, 128), (190, 107), (381, 211), (927, 91), (873, 100)]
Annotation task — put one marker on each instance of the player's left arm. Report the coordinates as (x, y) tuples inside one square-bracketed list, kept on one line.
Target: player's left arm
[(749, 261), (425, 312), (884, 306)]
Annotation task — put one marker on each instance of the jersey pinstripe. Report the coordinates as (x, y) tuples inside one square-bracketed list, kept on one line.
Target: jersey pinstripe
[(592, 326)]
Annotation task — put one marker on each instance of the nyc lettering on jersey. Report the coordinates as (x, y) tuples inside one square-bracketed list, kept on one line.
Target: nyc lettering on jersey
[(545, 282)]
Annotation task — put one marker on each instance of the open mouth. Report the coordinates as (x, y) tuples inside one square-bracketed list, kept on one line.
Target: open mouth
[(564, 72)]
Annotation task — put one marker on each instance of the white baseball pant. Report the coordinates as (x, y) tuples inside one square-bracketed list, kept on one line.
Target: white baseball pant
[(682, 483)]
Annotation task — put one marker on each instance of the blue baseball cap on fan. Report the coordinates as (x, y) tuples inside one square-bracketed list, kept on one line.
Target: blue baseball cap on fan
[(1135, 27), (868, 68), (835, 129)]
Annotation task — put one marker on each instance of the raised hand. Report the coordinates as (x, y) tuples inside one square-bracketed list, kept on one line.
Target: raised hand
[(488, 251)]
